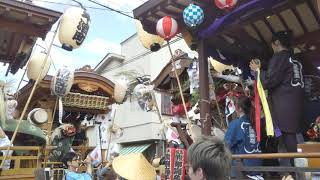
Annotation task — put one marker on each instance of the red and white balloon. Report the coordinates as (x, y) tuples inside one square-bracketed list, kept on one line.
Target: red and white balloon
[(167, 27), (222, 4)]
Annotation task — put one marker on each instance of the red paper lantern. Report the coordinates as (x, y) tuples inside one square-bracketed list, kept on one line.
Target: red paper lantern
[(167, 27), (222, 4)]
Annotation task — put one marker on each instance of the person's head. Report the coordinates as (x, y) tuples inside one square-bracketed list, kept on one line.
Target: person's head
[(243, 105), (106, 174), (208, 159), (281, 40), (71, 160)]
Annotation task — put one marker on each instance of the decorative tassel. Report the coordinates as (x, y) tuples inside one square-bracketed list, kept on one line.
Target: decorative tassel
[(265, 106), (257, 111)]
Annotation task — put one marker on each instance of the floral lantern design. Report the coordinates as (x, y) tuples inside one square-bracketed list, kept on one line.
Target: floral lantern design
[(120, 90), (61, 85), (149, 41), (35, 63), (74, 26), (193, 16), (167, 27), (222, 4)]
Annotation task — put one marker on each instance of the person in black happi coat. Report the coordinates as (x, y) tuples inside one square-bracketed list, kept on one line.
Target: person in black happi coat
[(284, 81)]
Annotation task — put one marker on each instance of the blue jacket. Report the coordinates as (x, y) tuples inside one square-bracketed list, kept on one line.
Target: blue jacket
[(241, 139)]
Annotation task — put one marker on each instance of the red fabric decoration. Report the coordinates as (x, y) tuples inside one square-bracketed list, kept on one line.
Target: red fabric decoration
[(257, 111), (179, 109), (167, 27), (222, 4)]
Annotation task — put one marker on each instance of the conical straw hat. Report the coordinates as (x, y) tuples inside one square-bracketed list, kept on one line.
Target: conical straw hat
[(134, 167)]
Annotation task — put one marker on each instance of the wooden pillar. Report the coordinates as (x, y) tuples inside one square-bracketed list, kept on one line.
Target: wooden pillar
[(204, 88)]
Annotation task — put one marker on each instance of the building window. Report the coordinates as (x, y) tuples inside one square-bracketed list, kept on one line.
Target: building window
[(166, 104)]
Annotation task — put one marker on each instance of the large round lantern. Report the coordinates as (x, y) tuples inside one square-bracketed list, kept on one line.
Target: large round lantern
[(120, 90), (193, 16), (61, 85), (167, 27), (35, 63), (149, 41), (74, 26), (222, 4)]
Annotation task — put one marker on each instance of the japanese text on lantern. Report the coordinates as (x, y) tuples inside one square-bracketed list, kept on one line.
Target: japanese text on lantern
[(179, 164), (82, 29)]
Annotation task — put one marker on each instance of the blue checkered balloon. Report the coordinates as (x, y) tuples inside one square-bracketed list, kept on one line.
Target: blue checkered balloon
[(193, 16)]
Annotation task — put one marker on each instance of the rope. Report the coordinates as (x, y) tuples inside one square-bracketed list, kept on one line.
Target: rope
[(29, 98)]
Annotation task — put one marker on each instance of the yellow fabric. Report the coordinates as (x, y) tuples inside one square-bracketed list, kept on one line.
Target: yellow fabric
[(265, 106)]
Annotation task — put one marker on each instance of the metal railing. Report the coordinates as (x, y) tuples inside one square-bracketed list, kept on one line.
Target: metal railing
[(241, 169)]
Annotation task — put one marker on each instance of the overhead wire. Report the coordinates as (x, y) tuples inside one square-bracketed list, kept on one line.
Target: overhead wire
[(139, 56), (111, 9), (74, 5)]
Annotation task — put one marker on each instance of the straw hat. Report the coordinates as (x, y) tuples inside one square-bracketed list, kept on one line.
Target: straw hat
[(134, 167)]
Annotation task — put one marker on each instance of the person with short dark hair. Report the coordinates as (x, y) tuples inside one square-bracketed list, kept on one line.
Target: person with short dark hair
[(71, 161), (208, 159)]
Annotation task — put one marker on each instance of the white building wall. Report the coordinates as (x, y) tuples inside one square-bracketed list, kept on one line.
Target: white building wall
[(139, 125)]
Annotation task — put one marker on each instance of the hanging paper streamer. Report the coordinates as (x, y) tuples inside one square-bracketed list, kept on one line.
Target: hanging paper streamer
[(179, 164), (169, 163), (265, 106), (257, 111)]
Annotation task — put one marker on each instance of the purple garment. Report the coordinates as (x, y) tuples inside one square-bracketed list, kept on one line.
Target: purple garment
[(242, 12)]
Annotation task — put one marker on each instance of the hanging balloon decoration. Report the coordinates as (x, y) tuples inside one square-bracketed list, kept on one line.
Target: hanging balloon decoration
[(61, 85), (167, 27), (34, 65), (149, 41), (74, 27), (120, 89), (225, 4), (193, 16)]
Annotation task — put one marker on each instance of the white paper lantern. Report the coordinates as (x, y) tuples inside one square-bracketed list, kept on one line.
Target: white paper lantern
[(149, 41), (62, 82), (120, 90), (35, 63), (74, 27)]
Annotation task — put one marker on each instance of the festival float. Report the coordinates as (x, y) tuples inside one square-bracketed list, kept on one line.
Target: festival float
[(230, 34), (52, 115)]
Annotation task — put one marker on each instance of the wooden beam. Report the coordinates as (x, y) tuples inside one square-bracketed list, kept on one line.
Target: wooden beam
[(268, 25), (314, 11), (296, 14), (204, 88), (284, 23), (23, 28), (259, 33)]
